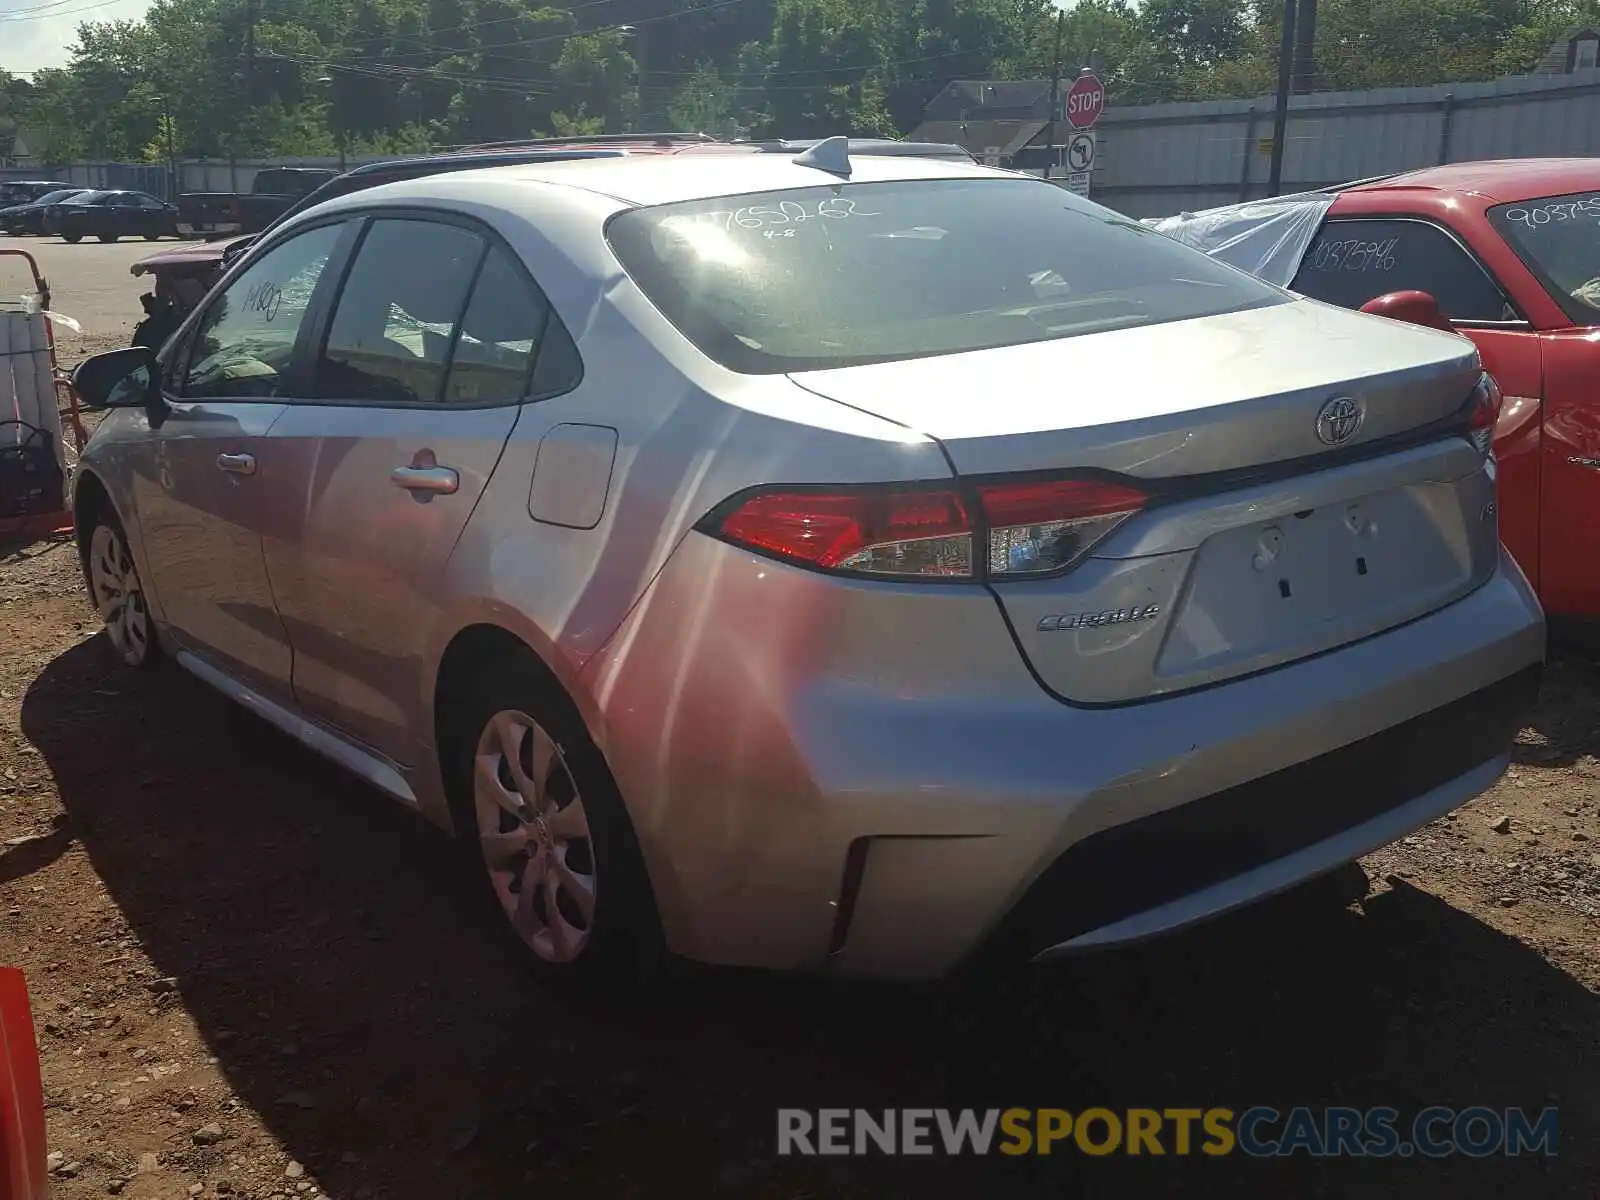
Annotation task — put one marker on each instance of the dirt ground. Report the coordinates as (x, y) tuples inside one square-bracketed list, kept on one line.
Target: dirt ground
[(255, 977)]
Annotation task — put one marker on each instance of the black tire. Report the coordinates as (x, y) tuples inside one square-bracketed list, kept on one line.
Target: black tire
[(108, 238), (139, 653), (73, 238), (623, 946)]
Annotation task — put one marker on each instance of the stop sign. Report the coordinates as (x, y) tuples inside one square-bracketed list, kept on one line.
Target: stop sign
[(1085, 100)]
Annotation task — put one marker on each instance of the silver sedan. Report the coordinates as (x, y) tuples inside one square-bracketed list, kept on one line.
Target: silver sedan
[(810, 562)]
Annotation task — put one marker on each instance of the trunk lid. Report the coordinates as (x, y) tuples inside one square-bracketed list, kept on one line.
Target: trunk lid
[(1262, 543), (1184, 398)]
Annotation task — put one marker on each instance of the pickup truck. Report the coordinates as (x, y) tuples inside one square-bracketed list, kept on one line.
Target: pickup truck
[(272, 193)]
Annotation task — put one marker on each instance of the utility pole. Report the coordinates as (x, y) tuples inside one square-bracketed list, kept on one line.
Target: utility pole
[(166, 137), (1305, 50), (1055, 95), (1280, 118), (249, 50)]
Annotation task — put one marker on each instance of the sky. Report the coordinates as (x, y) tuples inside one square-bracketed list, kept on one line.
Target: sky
[(36, 33)]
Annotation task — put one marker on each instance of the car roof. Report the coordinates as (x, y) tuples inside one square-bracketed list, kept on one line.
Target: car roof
[(669, 178), (1493, 181), (468, 159)]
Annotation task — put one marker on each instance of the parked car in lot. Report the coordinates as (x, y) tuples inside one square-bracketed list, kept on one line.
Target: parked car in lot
[(25, 191), (819, 562), (27, 217), (1508, 254), (111, 215)]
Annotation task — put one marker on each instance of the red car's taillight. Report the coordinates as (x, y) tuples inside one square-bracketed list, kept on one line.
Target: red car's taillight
[(999, 530), (1484, 413)]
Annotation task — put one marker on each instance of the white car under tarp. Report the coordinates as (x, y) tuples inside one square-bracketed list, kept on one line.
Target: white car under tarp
[(1267, 238)]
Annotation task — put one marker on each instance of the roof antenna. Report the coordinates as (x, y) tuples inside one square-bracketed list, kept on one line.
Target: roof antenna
[(830, 154)]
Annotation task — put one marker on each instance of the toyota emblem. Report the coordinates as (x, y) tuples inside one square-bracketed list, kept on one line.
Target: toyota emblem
[(1338, 420)]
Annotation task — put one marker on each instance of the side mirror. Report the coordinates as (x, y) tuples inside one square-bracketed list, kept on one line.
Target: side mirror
[(1419, 308), (118, 379)]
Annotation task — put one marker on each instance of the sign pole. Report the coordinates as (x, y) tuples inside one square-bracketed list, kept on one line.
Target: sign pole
[(1055, 97)]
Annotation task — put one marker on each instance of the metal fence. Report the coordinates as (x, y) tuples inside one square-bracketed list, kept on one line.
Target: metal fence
[(1156, 160), (198, 175), (1161, 159), (138, 177)]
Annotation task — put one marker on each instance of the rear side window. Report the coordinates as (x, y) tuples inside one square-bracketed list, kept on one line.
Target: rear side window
[(500, 335), (854, 273), (399, 313), (1352, 262)]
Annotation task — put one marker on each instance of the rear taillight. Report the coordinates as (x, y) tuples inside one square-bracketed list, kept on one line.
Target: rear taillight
[(998, 530), (876, 531), (1035, 528), (1483, 412)]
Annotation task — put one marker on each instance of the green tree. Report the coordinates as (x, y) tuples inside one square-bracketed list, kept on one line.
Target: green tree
[(596, 72), (705, 104)]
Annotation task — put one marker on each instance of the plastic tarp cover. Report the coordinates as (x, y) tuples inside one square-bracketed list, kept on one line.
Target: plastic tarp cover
[(27, 383), (1267, 238)]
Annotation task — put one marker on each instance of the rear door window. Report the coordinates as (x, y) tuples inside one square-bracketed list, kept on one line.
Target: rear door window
[(1352, 262), (399, 313)]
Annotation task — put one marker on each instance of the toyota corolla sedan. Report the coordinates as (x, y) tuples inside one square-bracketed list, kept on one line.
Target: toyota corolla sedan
[(845, 564)]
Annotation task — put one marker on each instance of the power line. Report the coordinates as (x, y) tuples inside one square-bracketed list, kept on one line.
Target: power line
[(39, 13), (561, 37)]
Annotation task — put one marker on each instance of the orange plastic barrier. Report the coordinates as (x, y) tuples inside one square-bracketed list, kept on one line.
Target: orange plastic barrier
[(22, 1136)]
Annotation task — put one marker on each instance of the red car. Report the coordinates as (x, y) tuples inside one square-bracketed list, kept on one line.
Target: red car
[(1509, 254)]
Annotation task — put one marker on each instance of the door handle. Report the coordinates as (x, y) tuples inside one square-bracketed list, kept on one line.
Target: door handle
[(236, 464), (440, 480)]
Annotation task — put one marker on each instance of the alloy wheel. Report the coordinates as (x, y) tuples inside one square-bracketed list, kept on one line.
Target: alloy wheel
[(534, 836), (118, 594)]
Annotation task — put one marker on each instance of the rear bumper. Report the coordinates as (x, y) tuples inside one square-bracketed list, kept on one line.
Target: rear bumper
[(205, 228), (866, 780), (1214, 854)]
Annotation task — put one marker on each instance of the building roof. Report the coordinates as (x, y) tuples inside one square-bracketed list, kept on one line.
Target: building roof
[(977, 136), (1558, 59), (990, 99)]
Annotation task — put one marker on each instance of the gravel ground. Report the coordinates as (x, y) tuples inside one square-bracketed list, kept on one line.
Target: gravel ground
[(254, 977)]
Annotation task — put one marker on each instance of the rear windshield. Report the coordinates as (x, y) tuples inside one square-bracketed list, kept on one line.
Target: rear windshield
[(1558, 239), (856, 273)]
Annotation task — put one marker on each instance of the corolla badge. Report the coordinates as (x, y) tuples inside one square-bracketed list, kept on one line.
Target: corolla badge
[(1338, 419)]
